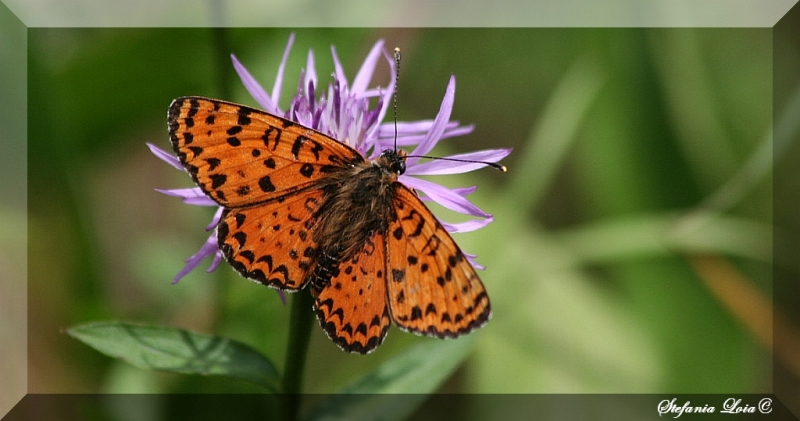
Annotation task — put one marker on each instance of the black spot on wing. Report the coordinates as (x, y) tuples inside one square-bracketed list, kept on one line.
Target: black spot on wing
[(218, 180), (416, 313), (244, 116), (265, 183), (307, 170)]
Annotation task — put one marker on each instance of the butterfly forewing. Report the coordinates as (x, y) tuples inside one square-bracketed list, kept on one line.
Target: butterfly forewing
[(241, 156), (352, 308), (433, 289)]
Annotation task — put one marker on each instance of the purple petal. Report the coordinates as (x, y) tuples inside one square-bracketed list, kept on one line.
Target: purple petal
[(457, 131), (471, 225), (405, 140), (188, 193), (165, 156), (471, 259), (276, 88), (464, 191), (215, 263), (200, 201), (315, 120), (411, 136), (312, 103), (311, 77), (209, 248), (439, 122), (254, 88), (461, 191), (443, 166), (419, 127), (443, 196), (364, 74), (337, 65), (191, 196), (283, 294), (373, 117), (215, 219), (369, 93)]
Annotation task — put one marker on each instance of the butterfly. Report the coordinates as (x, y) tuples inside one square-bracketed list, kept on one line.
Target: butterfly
[(303, 210)]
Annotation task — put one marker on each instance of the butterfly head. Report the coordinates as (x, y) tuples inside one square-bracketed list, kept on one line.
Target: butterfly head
[(394, 160)]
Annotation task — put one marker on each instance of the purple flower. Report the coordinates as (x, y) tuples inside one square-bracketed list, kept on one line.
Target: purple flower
[(344, 112)]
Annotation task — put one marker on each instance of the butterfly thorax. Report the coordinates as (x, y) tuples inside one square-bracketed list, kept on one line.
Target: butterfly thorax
[(358, 204)]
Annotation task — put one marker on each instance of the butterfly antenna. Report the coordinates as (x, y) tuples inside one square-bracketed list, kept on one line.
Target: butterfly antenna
[(396, 80), (494, 165)]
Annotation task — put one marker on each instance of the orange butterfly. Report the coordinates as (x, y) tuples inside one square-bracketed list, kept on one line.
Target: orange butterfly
[(302, 209)]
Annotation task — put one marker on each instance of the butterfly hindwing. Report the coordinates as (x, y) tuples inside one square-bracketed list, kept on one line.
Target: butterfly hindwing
[(432, 289), (352, 308), (272, 243), (241, 156)]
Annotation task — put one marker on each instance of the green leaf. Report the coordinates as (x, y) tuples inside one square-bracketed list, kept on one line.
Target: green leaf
[(397, 387), (178, 351)]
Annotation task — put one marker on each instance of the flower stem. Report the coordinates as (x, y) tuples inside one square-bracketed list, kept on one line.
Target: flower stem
[(300, 324)]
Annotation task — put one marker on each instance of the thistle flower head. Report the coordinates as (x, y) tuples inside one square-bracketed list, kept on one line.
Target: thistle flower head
[(353, 113)]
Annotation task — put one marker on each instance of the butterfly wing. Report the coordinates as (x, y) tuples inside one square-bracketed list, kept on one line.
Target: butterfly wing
[(241, 156), (433, 289), (352, 308), (272, 243)]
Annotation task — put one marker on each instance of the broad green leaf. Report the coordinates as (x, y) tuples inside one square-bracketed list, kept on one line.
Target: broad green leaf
[(397, 387), (179, 351)]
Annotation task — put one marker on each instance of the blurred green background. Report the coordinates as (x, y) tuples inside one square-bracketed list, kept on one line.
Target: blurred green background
[(632, 245)]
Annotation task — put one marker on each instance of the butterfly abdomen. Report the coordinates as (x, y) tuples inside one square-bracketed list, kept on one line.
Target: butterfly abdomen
[(326, 267)]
